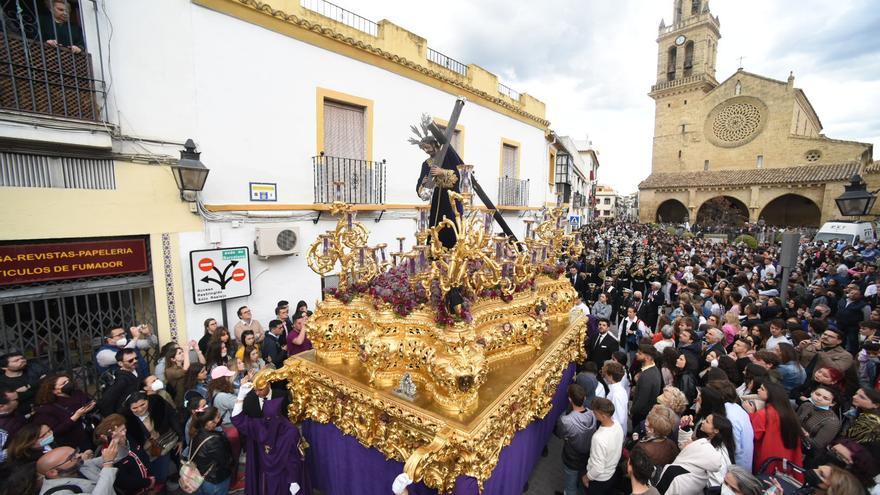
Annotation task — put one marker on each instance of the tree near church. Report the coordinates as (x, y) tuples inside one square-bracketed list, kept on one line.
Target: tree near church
[(721, 211)]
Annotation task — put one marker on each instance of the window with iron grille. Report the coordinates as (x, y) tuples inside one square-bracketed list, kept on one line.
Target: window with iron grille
[(344, 130), (509, 161), (45, 64)]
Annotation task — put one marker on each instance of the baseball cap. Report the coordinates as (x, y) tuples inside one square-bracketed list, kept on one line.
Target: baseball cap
[(220, 371)]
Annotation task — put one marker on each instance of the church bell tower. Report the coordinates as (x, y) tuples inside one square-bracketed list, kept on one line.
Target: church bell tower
[(687, 48), (686, 52)]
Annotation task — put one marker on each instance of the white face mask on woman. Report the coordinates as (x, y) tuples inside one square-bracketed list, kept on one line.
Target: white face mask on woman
[(157, 385), (726, 490)]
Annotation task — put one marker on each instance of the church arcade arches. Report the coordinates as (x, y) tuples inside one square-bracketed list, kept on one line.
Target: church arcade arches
[(791, 210), (722, 210), (672, 211)]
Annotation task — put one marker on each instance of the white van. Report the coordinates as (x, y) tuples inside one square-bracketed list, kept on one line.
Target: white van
[(851, 232)]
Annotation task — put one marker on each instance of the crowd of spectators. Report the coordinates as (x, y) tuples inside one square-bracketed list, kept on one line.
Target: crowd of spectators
[(710, 381), (699, 379), (146, 418)]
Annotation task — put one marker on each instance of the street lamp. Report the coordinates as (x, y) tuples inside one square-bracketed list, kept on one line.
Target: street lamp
[(856, 200), (189, 172)]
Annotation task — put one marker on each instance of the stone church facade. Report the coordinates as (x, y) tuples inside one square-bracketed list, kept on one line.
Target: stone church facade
[(756, 142)]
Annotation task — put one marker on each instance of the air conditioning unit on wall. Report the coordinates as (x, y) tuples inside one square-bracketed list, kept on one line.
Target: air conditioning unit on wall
[(280, 240)]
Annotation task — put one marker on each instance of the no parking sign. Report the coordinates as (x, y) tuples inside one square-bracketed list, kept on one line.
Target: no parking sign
[(219, 274)]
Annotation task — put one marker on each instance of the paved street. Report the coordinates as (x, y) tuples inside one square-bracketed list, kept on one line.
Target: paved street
[(547, 476)]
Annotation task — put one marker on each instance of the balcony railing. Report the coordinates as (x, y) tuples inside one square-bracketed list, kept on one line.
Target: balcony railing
[(508, 92), (513, 192), (44, 69), (339, 14), (678, 82), (690, 21), (448, 62), (360, 181)]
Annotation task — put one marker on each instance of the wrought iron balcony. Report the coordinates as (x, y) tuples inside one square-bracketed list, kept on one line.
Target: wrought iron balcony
[(45, 68), (508, 92), (361, 181), (448, 62), (513, 192), (339, 14)]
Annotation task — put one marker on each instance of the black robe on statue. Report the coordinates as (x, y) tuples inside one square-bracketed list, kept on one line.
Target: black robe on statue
[(440, 204)]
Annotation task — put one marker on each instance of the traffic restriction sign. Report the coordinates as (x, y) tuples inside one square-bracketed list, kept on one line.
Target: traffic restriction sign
[(220, 274)]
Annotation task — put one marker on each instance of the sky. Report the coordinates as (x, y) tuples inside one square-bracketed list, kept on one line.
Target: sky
[(593, 62)]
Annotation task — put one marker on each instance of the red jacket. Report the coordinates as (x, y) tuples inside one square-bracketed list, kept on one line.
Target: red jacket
[(768, 441)]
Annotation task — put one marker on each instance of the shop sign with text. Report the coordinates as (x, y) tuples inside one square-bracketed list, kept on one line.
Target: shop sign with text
[(29, 263)]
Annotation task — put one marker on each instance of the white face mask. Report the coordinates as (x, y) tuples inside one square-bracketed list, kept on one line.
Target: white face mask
[(726, 490), (121, 342), (157, 385)]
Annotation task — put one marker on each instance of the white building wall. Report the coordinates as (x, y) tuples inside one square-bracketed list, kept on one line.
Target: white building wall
[(247, 95)]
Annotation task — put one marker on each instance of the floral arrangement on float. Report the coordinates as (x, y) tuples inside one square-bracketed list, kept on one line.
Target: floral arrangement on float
[(446, 281)]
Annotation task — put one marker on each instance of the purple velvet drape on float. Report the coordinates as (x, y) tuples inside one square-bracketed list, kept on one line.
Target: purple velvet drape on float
[(340, 465), (592, 327)]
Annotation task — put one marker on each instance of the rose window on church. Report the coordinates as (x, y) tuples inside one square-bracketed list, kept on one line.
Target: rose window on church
[(813, 155), (736, 122)]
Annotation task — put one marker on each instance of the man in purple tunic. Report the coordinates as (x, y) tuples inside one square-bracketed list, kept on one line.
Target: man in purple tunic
[(297, 338), (274, 457)]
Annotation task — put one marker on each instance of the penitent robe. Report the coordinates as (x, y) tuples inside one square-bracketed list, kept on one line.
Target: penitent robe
[(273, 457)]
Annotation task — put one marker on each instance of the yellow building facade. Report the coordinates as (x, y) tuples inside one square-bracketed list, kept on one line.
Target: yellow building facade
[(752, 140)]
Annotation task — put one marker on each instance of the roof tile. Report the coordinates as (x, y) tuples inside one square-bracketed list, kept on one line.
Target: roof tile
[(787, 175)]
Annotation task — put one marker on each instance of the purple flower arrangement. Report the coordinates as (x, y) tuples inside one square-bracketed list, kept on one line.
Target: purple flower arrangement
[(395, 289), (553, 270)]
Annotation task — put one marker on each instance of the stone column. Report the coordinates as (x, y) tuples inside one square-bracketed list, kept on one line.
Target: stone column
[(754, 205), (692, 206)]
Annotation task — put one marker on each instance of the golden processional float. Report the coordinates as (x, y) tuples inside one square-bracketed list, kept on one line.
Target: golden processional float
[(480, 331)]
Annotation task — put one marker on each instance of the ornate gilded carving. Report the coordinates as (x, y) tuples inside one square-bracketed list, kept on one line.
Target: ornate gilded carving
[(483, 282), (436, 445)]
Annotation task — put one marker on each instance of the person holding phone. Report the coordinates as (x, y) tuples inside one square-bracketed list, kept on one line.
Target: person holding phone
[(132, 462), (177, 363), (65, 409)]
